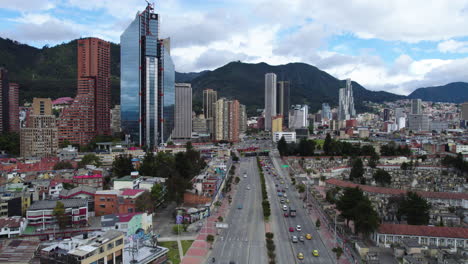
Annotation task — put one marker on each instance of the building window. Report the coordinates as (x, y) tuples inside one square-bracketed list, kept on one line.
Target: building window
[(119, 242), (110, 246), (102, 205)]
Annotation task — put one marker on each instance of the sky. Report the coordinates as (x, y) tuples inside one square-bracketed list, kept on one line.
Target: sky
[(392, 45)]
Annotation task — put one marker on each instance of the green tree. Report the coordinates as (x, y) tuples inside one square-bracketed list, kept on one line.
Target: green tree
[(157, 193), (357, 171), (382, 177), (148, 165), (374, 160), (306, 147), (122, 166), (59, 214), (327, 144), (338, 252), (414, 208), (347, 202), (365, 217), (10, 143), (282, 147), (301, 188), (209, 238), (311, 127), (64, 144), (367, 150), (62, 165), (144, 203), (90, 159)]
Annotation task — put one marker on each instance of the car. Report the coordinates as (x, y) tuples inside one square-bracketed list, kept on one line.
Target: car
[(285, 208), (279, 190), (287, 187), (294, 239), (248, 187), (276, 185), (308, 236), (291, 229), (245, 175), (315, 253), (239, 206), (282, 201), (298, 228), (301, 238), (300, 256), (285, 195), (286, 214), (287, 200)]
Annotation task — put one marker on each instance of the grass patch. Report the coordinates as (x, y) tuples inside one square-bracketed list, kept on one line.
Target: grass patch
[(186, 245), (173, 253)]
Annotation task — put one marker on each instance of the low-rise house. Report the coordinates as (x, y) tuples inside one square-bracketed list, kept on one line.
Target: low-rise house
[(54, 189), (116, 201), (454, 237), (40, 213), (130, 223), (94, 180), (12, 226), (81, 192)]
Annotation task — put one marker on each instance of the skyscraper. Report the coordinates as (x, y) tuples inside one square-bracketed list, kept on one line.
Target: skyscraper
[(13, 107), (282, 96), (386, 114), (226, 120), (346, 109), (270, 99), (416, 107), (89, 114), (40, 137), (242, 119), (326, 112), (147, 81), (210, 97), (183, 111), (4, 100)]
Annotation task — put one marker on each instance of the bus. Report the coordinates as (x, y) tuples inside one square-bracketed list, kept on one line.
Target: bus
[(292, 212)]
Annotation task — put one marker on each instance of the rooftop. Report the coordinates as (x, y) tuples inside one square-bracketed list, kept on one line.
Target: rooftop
[(10, 222), (18, 251), (50, 204), (87, 176), (126, 178), (75, 191), (428, 231), (131, 192)]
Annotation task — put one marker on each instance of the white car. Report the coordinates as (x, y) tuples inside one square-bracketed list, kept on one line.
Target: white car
[(245, 175), (248, 187), (298, 228), (285, 207)]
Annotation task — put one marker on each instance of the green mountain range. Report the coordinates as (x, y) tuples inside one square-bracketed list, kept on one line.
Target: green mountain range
[(51, 72), (456, 92)]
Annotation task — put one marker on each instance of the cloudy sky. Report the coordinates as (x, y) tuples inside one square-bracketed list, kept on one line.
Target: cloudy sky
[(392, 45)]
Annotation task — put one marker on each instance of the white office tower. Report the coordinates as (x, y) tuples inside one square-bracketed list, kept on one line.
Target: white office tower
[(270, 99), (401, 122), (416, 107), (346, 109), (298, 116)]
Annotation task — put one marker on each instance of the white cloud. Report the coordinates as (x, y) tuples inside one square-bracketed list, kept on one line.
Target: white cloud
[(453, 46), (27, 5)]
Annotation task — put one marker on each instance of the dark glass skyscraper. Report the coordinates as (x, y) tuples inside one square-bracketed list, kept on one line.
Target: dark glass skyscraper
[(147, 81)]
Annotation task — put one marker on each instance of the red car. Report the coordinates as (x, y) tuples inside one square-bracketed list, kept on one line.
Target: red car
[(291, 229), (286, 215)]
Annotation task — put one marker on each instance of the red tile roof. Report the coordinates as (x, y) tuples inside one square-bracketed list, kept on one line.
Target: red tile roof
[(427, 231), (124, 218), (131, 192), (10, 222), (391, 191)]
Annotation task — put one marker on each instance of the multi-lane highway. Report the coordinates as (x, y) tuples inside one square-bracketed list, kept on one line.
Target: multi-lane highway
[(287, 251), (244, 240)]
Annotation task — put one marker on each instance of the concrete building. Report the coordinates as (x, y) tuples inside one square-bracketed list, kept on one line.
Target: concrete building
[(346, 109), (464, 111), (199, 125), (270, 99), (399, 112), (13, 107), (401, 122), (418, 122), (116, 201), (40, 213), (115, 120), (283, 100), (104, 247), (288, 136), (12, 226), (210, 97), (298, 116), (9, 103), (386, 114), (416, 108), (89, 114), (147, 81), (226, 120), (242, 119), (277, 124), (40, 137), (183, 111)]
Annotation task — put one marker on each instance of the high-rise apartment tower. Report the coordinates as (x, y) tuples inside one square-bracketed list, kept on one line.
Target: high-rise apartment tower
[(183, 111), (270, 99), (346, 109)]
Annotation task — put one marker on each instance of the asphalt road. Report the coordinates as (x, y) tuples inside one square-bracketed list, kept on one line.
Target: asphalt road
[(244, 240), (283, 224)]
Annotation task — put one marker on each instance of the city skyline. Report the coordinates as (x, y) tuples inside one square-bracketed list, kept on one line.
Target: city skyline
[(392, 53)]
